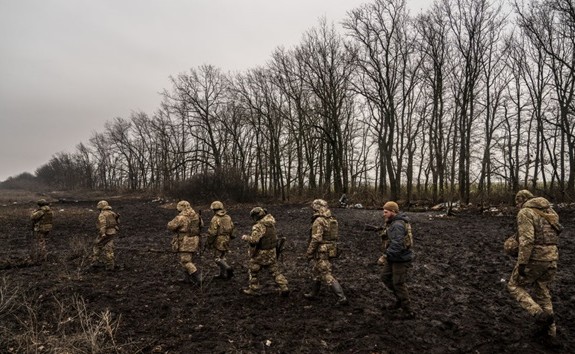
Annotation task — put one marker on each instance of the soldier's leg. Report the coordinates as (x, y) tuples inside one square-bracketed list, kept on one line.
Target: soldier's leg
[(254, 284), (400, 271), (108, 254), (279, 278), (324, 267), (516, 287), (41, 245), (542, 295)]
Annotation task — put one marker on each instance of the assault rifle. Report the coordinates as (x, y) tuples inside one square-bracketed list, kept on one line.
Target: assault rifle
[(280, 246), (373, 228)]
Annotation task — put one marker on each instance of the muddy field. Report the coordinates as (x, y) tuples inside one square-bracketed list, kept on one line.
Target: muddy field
[(457, 288)]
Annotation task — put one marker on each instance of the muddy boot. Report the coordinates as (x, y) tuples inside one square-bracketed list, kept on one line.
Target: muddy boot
[(394, 307), (543, 320), (284, 291), (407, 310), (196, 278), (341, 299), (314, 291), (229, 271), (223, 273)]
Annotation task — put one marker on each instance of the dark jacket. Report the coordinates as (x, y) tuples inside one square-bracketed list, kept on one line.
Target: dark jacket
[(396, 233)]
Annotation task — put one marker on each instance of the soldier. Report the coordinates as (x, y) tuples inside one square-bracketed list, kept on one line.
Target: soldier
[(322, 247), (398, 256), (42, 225), (108, 225), (538, 232), (187, 227), (263, 241), (219, 235)]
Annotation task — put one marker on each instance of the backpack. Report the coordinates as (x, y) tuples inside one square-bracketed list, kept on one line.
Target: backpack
[(408, 236)]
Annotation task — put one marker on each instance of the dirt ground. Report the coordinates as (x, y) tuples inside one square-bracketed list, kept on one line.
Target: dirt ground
[(457, 285)]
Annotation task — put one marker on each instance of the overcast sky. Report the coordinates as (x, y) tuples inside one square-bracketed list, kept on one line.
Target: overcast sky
[(69, 66)]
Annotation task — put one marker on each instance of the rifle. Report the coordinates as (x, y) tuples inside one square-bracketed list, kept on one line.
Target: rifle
[(280, 246), (373, 228)]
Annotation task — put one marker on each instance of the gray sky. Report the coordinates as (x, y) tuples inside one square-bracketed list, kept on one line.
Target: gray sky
[(69, 66)]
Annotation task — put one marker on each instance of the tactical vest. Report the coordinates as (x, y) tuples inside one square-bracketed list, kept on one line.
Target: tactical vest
[(545, 233), (269, 239), (45, 222), (194, 226), (226, 227), (332, 234), (112, 220)]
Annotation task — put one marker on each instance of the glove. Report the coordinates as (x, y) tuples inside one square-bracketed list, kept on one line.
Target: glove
[(521, 270)]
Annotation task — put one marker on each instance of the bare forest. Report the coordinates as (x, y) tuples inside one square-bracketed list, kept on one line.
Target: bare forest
[(466, 101)]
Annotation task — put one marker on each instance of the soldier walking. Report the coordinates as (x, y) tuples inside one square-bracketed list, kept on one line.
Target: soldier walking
[(42, 225), (398, 256), (220, 233), (108, 225), (538, 232), (322, 248), (263, 241), (187, 227)]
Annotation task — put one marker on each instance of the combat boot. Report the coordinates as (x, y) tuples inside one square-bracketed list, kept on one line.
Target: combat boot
[(393, 307), (196, 278), (229, 271), (341, 299), (407, 310), (315, 287), (223, 273)]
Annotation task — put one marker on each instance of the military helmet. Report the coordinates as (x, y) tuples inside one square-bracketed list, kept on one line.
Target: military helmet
[(318, 204), (42, 202), (258, 213), (522, 196), (217, 205), (102, 204), (183, 204)]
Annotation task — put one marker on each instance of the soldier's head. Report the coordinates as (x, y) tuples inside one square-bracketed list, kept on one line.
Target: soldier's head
[(258, 213), (183, 205), (102, 204), (217, 205), (42, 202), (390, 209), (522, 196), (319, 204)]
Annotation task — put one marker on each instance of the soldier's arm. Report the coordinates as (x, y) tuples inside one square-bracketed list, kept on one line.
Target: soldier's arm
[(317, 230), (258, 231)]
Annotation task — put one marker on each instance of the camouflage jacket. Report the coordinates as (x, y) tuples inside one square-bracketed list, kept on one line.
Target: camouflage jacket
[(536, 235), (42, 219), (187, 222), (319, 227), (108, 222)]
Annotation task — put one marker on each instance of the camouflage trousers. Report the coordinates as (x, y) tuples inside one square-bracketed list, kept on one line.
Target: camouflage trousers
[(539, 275), (186, 261), (394, 276), (322, 270), (38, 251), (104, 254), (265, 259)]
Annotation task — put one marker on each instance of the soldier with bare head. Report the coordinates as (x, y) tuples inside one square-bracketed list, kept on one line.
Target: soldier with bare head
[(42, 225), (322, 248), (263, 241), (220, 233), (538, 230), (108, 225), (186, 227)]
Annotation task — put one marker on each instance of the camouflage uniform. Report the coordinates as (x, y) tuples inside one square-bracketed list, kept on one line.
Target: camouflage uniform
[(321, 248), (538, 233), (108, 225), (263, 240), (398, 257), (219, 235), (42, 221), (187, 227)]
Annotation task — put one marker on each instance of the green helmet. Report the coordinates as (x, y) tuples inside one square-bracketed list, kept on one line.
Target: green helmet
[(217, 205), (258, 213), (42, 202)]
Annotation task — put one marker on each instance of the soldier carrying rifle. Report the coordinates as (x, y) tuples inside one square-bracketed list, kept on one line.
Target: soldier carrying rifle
[(108, 225), (42, 225)]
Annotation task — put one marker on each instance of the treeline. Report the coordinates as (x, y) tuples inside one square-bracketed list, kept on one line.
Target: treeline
[(470, 98)]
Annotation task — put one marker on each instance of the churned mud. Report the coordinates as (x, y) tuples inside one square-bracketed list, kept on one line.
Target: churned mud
[(457, 285)]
